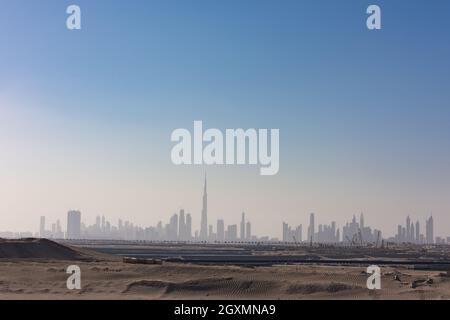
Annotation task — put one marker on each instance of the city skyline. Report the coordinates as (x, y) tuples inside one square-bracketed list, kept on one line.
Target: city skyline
[(180, 228)]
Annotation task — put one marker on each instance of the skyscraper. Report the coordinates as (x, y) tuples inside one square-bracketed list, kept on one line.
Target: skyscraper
[(361, 221), (311, 229), (74, 225), (210, 233), (231, 234), (204, 221), (243, 226), (248, 231), (42, 227), (429, 232), (182, 226), (173, 228), (188, 226), (97, 223), (103, 223), (417, 232), (220, 230), (408, 229), (286, 232)]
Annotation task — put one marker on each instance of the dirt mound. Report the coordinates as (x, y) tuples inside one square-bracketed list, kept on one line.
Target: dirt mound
[(39, 249)]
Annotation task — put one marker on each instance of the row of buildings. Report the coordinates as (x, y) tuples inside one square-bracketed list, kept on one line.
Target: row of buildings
[(179, 228), (356, 232), (411, 233), (351, 232)]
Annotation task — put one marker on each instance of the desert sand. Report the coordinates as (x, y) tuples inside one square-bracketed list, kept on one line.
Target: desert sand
[(27, 273)]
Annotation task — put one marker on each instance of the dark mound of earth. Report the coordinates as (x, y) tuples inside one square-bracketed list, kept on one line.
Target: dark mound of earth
[(40, 249)]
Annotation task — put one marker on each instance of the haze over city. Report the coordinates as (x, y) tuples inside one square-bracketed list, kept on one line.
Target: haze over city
[(86, 118)]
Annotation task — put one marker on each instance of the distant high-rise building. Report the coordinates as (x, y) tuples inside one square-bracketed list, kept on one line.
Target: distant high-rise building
[(97, 222), (311, 229), (210, 233), (231, 234), (243, 226), (248, 230), (74, 224), (408, 229), (172, 232), (42, 227), (182, 226), (188, 226), (204, 220), (292, 235), (59, 233), (361, 221), (399, 234), (333, 230), (286, 232), (220, 230), (429, 232), (417, 232), (103, 223)]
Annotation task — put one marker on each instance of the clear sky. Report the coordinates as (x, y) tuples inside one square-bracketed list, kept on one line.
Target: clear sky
[(86, 116)]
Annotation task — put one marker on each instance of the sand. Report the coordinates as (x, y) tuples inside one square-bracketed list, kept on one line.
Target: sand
[(42, 275)]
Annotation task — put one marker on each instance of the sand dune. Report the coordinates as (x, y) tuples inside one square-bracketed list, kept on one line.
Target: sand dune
[(116, 280), (36, 269), (32, 249)]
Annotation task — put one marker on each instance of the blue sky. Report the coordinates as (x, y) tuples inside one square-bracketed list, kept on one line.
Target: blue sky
[(363, 115)]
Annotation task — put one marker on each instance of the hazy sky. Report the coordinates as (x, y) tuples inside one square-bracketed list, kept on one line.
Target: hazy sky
[(86, 116)]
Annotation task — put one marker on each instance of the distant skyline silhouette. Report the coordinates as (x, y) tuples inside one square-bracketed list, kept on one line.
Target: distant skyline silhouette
[(180, 227), (86, 116)]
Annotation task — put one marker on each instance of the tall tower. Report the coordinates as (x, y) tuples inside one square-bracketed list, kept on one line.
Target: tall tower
[(204, 221), (73, 225), (42, 227), (429, 232), (361, 222), (311, 229), (220, 230), (188, 226), (408, 229), (417, 232), (182, 226), (243, 226)]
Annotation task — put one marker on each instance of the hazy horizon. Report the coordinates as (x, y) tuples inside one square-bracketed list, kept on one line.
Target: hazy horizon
[(86, 116)]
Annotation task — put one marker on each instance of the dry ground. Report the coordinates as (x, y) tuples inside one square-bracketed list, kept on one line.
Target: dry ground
[(117, 280)]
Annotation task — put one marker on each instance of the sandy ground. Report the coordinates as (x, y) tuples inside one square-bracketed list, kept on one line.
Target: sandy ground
[(36, 269), (118, 280)]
